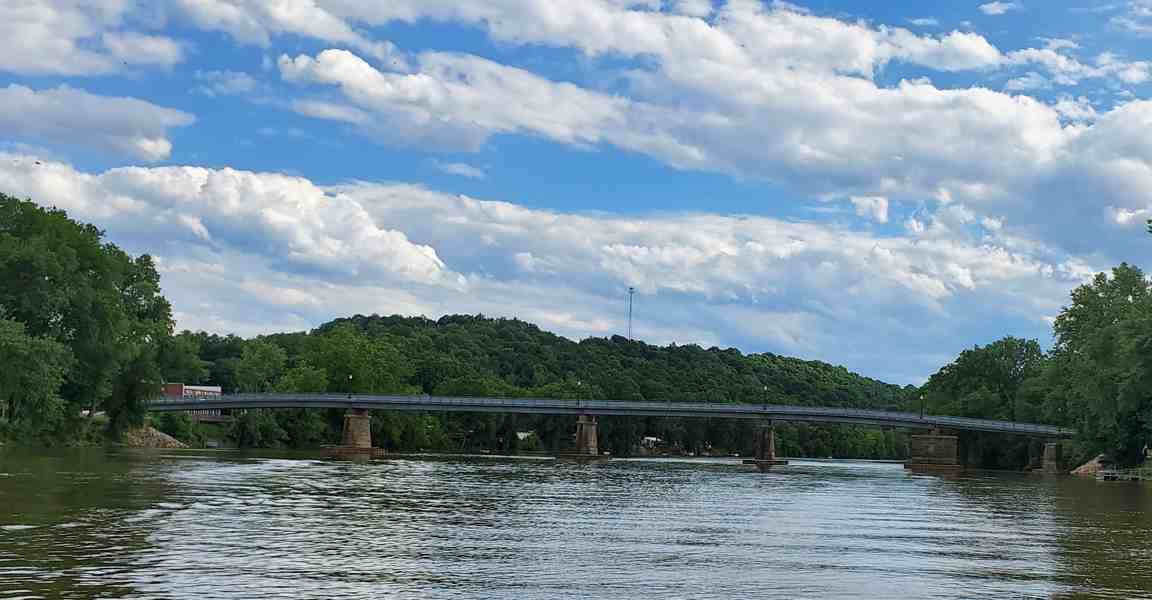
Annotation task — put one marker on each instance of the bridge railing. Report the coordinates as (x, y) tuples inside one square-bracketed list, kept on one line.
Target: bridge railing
[(606, 407)]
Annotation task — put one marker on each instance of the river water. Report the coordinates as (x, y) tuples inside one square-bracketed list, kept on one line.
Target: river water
[(121, 524)]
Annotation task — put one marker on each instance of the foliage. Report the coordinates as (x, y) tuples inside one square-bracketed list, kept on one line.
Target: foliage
[(34, 369), (303, 378), (260, 365), (1096, 379), (62, 283), (1101, 367), (985, 381), (180, 426), (180, 359), (477, 356)]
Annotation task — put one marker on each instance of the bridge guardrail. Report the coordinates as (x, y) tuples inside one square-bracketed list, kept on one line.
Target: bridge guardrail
[(643, 408)]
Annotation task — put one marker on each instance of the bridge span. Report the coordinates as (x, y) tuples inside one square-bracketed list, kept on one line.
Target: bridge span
[(934, 448)]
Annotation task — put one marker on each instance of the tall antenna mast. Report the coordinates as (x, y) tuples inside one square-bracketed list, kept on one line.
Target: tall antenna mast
[(631, 292)]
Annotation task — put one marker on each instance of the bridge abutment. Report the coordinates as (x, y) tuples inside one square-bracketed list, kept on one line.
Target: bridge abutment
[(934, 452), (357, 429), (764, 448)]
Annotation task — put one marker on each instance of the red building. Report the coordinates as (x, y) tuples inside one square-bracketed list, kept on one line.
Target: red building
[(179, 391)]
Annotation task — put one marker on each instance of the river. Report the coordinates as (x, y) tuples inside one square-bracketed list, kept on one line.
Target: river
[(124, 524)]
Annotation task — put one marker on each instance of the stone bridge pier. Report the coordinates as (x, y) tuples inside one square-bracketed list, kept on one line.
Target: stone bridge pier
[(764, 453), (934, 452), (587, 439), (357, 429)]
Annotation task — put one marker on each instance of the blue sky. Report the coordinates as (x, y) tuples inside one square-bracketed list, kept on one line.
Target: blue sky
[(877, 185)]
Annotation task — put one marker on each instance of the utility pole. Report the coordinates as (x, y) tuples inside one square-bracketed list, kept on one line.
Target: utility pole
[(631, 292)]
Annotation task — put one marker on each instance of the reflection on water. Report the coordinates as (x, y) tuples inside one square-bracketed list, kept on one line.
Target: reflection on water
[(95, 524)]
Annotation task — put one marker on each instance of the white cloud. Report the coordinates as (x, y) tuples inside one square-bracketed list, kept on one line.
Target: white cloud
[(459, 100), (67, 115), (257, 21), (768, 93), (461, 169), (925, 22), (874, 208), (1136, 18), (999, 8), (285, 220), (692, 8), (1027, 82), (77, 37), (138, 48), (1076, 109), (224, 83), (262, 251)]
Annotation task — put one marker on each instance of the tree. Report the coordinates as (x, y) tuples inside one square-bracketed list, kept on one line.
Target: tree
[(180, 360), (260, 365), (34, 369), (985, 381), (62, 282), (303, 378), (1101, 367), (356, 363)]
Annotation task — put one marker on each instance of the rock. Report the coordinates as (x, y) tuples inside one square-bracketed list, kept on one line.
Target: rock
[(1090, 468), (150, 437)]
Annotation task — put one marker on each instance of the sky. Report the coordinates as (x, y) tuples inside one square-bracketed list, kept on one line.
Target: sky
[(877, 185)]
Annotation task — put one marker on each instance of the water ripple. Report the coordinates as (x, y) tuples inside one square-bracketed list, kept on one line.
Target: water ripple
[(219, 526)]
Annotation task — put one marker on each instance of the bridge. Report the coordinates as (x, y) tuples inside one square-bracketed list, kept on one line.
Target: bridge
[(929, 450)]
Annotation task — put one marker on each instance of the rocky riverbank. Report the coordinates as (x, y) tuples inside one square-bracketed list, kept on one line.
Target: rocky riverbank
[(150, 437)]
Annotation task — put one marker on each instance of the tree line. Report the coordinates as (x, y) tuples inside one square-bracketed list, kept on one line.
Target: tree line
[(1096, 378), (84, 330), (461, 355)]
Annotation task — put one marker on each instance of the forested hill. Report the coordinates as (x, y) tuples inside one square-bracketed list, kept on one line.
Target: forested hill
[(475, 355)]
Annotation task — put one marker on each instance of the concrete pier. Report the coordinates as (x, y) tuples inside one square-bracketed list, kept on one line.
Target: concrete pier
[(1053, 458), (765, 448), (934, 452)]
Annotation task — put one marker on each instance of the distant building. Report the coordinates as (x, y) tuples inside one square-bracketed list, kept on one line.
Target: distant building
[(179, 391)]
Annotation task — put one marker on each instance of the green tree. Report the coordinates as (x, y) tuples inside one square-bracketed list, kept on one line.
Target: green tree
[(356, 363), (62, 282), (34, 369), (985, 381), (180, 360), (303, 378), (260, 366), (1101, 368)]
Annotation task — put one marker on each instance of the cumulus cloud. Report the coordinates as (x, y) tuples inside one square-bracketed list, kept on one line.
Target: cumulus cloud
[(256, 22), (286, 220), (224, 83), (261, 251), (461, 169), (874, 208), (126, 126), (999, 8), (766, 92), (75, 37)]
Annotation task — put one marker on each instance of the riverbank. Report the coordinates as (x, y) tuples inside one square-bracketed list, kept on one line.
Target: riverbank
[(150, 437)]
